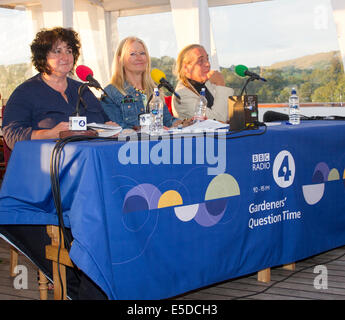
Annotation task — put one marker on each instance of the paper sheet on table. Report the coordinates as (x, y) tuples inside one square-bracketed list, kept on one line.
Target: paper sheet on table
[(104, 130), (202, 126)]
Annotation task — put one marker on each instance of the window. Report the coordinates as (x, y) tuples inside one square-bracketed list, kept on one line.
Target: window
[(15, 39), (291, 43)]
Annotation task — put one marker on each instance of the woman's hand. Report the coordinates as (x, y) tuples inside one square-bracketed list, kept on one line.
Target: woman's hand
[(52, 133), (183, 123), (112, 123), (216, 78)]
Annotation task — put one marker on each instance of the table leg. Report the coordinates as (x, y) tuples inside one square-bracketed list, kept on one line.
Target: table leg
[(264, 275), (290, 266)]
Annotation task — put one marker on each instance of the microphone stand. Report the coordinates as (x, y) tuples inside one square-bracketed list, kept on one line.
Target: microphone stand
[(80, 99), (69, 133), (245, 85)]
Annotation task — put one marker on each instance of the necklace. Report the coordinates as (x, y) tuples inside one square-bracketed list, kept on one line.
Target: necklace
[(139, 90)]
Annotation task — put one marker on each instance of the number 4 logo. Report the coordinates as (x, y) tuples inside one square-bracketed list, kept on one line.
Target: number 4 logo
[(284, 169)]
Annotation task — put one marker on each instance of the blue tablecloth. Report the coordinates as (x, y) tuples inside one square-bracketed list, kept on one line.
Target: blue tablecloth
[(154, 219)]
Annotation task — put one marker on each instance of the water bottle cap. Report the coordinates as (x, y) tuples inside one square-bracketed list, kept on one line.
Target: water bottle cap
[(293, 91), (156, 91), (203, 91)]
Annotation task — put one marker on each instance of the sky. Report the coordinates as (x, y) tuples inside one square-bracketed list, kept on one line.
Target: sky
[(15, 36), (256, 34), (251, 34), (273, 31)]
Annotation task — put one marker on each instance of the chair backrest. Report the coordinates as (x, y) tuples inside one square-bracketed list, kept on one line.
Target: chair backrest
[(168, 103), (7, 150)]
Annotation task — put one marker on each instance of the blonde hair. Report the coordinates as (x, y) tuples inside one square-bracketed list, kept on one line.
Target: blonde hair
[(184, 58), (118, 78)]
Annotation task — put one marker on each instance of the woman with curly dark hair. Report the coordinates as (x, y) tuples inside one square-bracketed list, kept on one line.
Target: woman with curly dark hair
[(40, 107)]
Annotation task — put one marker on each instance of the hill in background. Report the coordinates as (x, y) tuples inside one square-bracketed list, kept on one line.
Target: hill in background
[(314, 61), (318, 78)]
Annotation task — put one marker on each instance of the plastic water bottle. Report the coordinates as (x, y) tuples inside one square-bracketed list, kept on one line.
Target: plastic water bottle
[(156, 111), (294, 111), (200, 107)]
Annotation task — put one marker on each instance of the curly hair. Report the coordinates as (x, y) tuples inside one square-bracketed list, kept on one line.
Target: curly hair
[(44, 42)]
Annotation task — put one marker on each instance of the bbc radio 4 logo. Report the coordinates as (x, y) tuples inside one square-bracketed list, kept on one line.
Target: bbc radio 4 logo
[(261, 161), (283, 169), (77, 123)]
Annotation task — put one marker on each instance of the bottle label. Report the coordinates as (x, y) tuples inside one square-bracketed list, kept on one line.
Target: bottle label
[(144, 119)]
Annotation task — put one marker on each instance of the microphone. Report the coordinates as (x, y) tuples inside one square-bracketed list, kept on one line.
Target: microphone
[(159, 77), (85, 74), (243, 71)]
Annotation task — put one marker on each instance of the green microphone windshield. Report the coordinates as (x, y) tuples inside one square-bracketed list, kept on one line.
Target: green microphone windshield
[(240, 70)]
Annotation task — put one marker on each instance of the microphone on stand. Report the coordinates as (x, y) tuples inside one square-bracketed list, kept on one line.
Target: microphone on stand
[(77, 123), (159, 77), (86, 74), (243, 71), (243, 109)]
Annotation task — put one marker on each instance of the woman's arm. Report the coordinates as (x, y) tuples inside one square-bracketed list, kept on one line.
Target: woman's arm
[(50, 133), (16, 123)]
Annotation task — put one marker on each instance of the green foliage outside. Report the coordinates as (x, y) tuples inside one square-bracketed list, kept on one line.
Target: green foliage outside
[(323, 81), (11, 76), (325, 84)]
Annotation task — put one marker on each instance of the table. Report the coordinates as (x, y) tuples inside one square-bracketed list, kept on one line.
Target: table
[(154, 219)]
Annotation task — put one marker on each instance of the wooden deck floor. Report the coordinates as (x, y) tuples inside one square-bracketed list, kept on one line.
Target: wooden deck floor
[(284, 284), (7, 283)]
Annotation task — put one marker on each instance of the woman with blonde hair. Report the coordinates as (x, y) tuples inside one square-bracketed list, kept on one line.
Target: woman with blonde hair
[(193, 71), (131, 85)]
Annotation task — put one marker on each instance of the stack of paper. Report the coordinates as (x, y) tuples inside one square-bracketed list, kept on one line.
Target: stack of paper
[(202, 126), (104, 130)]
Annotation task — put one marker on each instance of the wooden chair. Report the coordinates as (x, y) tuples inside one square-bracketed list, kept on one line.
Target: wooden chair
[(59, 265)]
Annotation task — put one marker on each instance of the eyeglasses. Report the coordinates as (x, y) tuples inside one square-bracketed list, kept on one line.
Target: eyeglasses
[(202, 60), (60, 51), (135, 54)]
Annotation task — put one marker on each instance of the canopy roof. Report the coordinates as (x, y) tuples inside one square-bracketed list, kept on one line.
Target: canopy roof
[(96, 21), (129, 5)]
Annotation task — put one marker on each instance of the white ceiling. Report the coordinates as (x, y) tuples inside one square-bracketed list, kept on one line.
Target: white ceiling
[(119, 5)]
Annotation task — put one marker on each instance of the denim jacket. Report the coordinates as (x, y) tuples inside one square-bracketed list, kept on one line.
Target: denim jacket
[(126, 112)]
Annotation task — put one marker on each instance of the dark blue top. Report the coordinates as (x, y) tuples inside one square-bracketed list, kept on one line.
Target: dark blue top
[(126, 112), (34, 105)]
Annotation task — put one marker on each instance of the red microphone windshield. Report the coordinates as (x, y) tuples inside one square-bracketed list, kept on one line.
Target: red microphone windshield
[(83, 72)]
